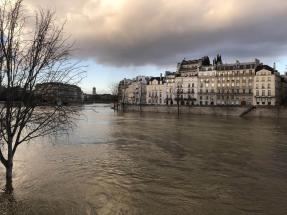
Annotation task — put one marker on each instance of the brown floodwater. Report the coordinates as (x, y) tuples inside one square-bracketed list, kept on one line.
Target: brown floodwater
[(152, 163)]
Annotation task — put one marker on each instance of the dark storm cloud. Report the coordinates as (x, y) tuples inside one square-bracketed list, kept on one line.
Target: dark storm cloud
[(161, 32)]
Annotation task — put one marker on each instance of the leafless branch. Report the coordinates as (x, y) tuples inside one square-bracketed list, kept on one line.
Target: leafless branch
[(40, 56)]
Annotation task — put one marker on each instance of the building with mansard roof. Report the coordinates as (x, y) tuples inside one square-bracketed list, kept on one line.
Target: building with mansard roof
[(235, 83), (155, 91), (198, 82), (269, 87)]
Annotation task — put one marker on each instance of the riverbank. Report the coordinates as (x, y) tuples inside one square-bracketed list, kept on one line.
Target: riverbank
[(237, 111)]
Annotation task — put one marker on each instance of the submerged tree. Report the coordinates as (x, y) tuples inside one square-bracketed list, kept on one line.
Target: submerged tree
[(114, 90), (31, 55)]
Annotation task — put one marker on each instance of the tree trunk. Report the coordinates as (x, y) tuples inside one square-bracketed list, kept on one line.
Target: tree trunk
[(9, 176), (9, 166)]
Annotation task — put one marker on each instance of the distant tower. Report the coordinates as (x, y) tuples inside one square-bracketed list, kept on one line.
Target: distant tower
[(94, 91), (274, 66)]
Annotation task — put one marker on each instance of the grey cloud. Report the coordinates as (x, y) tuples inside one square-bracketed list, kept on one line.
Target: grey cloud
[(161, 32)]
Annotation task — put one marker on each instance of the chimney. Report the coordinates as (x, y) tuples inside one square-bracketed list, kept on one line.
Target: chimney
[(274, 66)]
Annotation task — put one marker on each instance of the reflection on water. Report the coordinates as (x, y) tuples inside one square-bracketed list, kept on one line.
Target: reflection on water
[(136, 163)]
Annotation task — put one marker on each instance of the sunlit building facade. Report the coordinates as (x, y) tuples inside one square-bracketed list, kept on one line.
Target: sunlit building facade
[(235, 83), (155, 91), (269, 87), (200, 83)]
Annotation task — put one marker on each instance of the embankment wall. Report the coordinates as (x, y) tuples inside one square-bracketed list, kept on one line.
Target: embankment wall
[(273, 112)]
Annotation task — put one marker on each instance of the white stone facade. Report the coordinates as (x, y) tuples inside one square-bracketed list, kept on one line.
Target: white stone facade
[(196, 82), (207, 85), (155, 91), (267, 87)]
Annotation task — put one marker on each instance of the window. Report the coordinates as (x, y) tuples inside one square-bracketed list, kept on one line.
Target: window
[(257, 92), (269, 78), (263, 92), (269, 92), (269, 86)]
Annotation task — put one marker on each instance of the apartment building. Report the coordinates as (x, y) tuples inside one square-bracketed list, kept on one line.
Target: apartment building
[(155, 91), (235, 83), (269, 86), (207, 85), (198, 82)]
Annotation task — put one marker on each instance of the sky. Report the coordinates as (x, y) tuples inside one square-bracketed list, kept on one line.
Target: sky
[(119, 39)]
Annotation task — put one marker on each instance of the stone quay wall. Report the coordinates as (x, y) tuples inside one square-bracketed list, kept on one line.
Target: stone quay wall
[(271, 112), (237, 111)]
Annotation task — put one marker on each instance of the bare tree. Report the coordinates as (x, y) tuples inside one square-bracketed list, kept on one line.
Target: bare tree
[(122, 97), (114, 89), (31, 55)]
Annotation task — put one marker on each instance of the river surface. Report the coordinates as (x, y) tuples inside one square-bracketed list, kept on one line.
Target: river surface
[(153, 163)]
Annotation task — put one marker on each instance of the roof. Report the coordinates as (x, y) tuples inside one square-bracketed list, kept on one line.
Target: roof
[(56, 84), (266, 67), (155, 78), (185, 62), (235, 66), (158, 79)]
